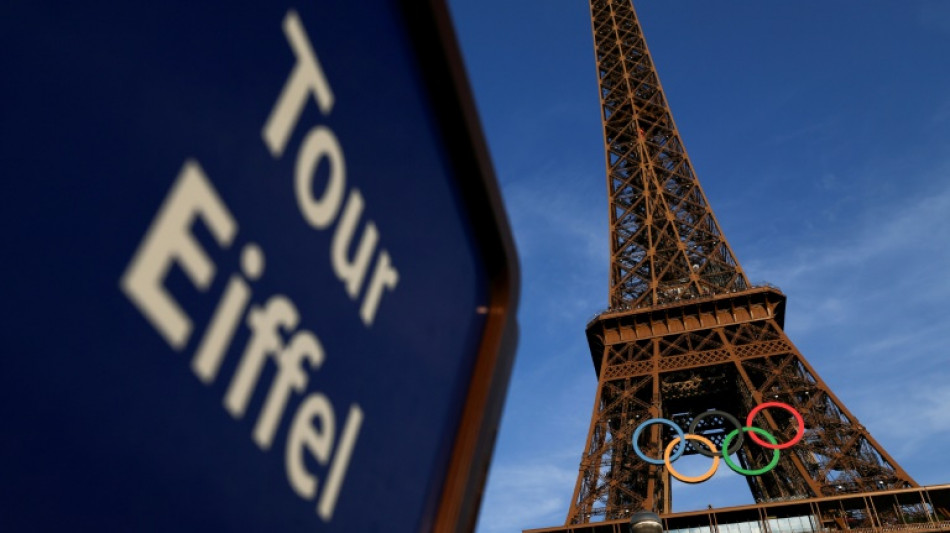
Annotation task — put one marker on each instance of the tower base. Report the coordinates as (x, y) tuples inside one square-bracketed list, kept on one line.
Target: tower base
[(911, 509)]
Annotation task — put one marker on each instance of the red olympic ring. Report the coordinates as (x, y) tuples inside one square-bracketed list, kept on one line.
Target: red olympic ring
[(790, 409)]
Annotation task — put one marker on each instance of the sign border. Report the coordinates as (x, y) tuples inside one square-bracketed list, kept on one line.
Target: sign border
[(437, 51)]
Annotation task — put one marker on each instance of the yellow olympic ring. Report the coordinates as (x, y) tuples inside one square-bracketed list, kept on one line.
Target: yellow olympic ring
[(687, 479)]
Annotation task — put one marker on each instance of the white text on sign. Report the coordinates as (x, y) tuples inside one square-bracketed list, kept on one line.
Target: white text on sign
[(274, 336)]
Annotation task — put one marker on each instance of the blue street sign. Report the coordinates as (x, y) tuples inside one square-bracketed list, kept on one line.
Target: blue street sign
[(256, 275)]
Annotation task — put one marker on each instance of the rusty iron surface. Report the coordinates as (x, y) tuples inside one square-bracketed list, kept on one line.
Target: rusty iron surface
[(665, 242)]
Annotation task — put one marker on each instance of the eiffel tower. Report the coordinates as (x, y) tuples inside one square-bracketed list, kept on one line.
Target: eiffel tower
[(686, 333)]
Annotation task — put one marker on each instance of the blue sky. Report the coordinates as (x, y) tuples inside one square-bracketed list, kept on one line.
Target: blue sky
[(820, 133)]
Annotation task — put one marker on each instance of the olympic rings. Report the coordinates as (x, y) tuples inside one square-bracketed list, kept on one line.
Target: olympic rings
[(789, 408), (669, 456)]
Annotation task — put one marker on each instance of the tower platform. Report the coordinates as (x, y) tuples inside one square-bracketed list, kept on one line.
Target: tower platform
[(912, 509)]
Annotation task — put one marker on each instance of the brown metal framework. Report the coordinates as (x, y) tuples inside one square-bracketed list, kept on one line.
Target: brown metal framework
[(686, 332), (665, 242)]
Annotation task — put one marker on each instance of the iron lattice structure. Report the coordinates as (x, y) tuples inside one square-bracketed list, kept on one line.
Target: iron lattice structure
[(686, 332)]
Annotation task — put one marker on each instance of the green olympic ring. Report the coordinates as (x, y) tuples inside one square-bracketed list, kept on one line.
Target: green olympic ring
[(767, 468)]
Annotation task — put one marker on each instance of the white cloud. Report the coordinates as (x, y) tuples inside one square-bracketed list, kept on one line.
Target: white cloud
[(895, 255), (914, 417), (526, 495)]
